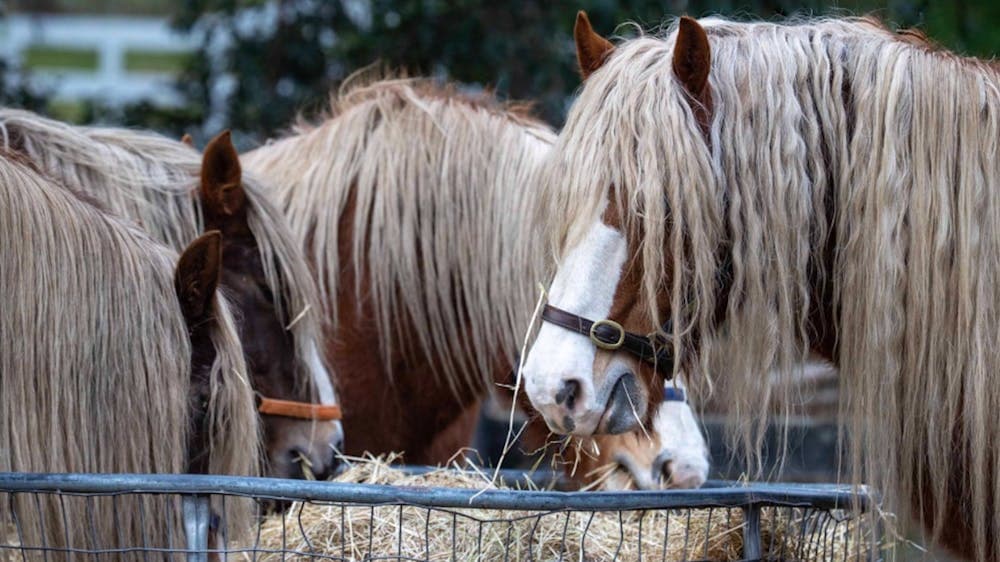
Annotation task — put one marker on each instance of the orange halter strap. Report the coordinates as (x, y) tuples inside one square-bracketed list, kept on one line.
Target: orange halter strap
[(298, 410)]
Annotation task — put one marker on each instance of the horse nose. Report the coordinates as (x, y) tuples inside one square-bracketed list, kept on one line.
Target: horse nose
[(677, 473), (561, 412), (311, 464), (325, 460), (335, 461)]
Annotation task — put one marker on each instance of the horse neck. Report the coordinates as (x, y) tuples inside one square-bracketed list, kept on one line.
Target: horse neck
[(467, 301)]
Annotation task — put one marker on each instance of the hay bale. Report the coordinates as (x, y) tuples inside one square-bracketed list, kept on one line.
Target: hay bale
[(412, 532)]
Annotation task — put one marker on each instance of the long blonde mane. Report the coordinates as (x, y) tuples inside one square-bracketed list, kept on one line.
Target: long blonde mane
[(95, 365), (903, 142), (154, 181), (442, 191)]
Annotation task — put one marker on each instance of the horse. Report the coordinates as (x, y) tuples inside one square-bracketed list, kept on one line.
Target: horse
[(408, 199), (398, 170), (775, 188), (111, 360), (175, 196)]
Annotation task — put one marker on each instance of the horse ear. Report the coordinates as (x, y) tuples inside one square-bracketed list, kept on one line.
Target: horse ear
[(591, 49), (197, 275), (692, 56), (222, 192), (186, 139)]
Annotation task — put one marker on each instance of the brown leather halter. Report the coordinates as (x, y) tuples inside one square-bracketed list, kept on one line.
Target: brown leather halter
[(298, 410), (611, 336)]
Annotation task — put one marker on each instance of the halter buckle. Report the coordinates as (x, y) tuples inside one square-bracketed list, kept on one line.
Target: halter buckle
[(610, 346)]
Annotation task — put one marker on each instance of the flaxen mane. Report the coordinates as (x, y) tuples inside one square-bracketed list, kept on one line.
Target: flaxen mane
[(154, 181), (903, 143), (441, 186), (95, 365)]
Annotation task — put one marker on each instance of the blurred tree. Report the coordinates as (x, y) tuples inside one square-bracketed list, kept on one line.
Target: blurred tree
[(17, 91), (263, 62), (15, 88), (170, 121)]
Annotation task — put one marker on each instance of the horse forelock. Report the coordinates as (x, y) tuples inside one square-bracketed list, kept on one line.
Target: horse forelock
[(822, 129), (401, 156), (154, 180)]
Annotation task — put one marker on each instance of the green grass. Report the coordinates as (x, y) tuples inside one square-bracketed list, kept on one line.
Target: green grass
[(136, 60), (154, 61), (60, 57)]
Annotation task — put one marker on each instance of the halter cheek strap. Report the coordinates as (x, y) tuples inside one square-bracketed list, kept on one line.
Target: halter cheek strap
[(610, 335), (298, 410)]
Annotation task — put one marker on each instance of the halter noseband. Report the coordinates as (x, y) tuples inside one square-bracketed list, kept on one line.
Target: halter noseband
[(298, 410), (610, 335)]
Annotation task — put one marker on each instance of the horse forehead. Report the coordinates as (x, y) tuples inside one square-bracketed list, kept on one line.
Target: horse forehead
[(590, 272)]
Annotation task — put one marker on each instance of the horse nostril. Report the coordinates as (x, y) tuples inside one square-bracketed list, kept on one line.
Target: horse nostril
[(296, 455), (337, 446), (336, 466), (568, 393), (663, 467), (667, 471)]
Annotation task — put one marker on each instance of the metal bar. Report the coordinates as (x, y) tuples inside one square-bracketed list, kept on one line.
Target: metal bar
[(542, 478), (751, 532), (812, 495), (197, 515)]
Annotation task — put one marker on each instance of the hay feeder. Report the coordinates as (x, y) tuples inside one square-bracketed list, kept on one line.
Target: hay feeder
[(379, 512)]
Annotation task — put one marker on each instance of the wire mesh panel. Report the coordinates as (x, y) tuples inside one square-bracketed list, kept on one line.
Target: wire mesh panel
[(135, 517)]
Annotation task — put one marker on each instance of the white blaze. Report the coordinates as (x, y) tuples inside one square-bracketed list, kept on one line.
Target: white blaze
[(585, 284), (324, 387)]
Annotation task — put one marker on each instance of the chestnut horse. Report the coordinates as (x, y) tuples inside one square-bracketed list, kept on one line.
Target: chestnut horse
[(774, 188), (413, 203), (175, 196), (416, 205), (110, 361)]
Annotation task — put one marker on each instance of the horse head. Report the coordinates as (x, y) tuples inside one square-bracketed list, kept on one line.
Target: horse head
[(299, 436), (600, 357)]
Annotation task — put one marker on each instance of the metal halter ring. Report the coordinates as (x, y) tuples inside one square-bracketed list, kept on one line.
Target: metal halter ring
[(603, 344)]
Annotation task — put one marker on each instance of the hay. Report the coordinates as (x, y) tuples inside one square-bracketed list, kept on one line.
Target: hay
[(420, 533)]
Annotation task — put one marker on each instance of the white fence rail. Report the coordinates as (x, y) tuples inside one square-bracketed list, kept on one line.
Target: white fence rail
[(110, 37)]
